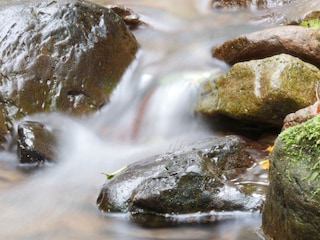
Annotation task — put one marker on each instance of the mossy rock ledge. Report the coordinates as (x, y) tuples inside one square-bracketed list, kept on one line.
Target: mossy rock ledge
[(262, 91), (292, 203)]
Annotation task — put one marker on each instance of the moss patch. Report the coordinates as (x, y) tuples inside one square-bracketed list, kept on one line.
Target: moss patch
[(312, 23), (302, 144)]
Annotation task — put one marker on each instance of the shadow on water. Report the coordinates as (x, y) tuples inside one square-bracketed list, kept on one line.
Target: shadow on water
[(149, 113), (241, 226)]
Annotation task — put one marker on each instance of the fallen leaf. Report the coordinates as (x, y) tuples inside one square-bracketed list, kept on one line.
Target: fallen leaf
[(264, 164), (270, 148), (312, 23)]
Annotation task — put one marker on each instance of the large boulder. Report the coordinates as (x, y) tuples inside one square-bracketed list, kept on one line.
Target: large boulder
[(292, 206), (63, 55), (261, 91), (196, 179), (301, 42)]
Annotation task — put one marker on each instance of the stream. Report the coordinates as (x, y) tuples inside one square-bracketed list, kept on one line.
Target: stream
[(150, 113)]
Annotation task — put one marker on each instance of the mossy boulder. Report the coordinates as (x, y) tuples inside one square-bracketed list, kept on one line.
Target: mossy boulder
[(63, 55), (292, 204), (261, 91)]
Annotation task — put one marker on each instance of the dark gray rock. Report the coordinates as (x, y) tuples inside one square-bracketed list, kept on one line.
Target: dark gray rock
[(197, 179), (63, 55), (36, 143), (128, 16)]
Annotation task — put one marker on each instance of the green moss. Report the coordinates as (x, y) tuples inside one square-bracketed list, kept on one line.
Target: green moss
[(312, 23), (302, 146)]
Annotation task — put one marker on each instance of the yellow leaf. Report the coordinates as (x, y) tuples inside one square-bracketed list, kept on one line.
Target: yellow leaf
[(264, 164), (270, 148), (111, 175)]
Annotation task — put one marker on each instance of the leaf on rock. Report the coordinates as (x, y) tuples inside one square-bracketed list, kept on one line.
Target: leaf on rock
[(313, 23)]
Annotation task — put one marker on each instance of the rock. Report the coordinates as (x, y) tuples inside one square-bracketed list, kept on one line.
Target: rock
[(292, 13), (63, 55), (297, 41), (127, 15), (312, 15), (261, 91), (247, 3), (196, 179), (301, 115), (36, 143), (4, 132), (292, 203)]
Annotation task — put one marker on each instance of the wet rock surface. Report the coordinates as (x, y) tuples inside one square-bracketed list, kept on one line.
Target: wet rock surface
[(60, 56), (301, 42), (261, 91), (127, 15), (36, 143), (197, 179), (227, 4), (4, 131), (292, 204)]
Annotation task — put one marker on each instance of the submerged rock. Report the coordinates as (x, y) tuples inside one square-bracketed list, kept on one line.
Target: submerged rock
[(63, 55), (261, 91), (197, 179), (292, 203), (36, 143), (301, 42)]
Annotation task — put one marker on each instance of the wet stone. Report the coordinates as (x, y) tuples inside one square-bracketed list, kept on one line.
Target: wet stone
[(128, 16), (198, 178), (36, 143), (4, 129), (63, 55)]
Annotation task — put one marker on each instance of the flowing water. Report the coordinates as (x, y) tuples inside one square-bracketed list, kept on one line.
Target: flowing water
[(150, 113)]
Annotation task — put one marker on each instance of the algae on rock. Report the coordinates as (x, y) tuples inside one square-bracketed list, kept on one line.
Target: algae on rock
[(292, 202), (262, 91), (303, 143)]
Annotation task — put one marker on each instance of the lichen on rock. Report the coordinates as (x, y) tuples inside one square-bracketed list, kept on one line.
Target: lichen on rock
[(261, 91)]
